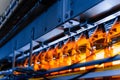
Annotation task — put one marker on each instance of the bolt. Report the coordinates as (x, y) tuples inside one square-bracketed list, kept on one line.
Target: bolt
[(59, 19), (66, 16)]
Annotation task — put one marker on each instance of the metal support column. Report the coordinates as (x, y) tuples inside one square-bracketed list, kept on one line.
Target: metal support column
[(31, 47), (14, 55)]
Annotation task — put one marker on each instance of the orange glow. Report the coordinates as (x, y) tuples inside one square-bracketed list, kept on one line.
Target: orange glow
[(79, 51)]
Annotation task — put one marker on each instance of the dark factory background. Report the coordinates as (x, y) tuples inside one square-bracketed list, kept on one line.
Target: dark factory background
[(59, 39)]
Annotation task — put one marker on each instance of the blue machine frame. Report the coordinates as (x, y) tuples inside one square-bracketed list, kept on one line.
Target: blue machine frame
[(57, 14)]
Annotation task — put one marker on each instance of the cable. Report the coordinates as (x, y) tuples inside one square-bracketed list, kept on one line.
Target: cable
[(93, 69)]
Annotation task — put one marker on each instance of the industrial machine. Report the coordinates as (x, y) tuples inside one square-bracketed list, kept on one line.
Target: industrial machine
[(61, 40)]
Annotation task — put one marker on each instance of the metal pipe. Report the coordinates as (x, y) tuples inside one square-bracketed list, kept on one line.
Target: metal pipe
[(76, 65), (31, 47), (7, 72), (114, 58), (14, 55)]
